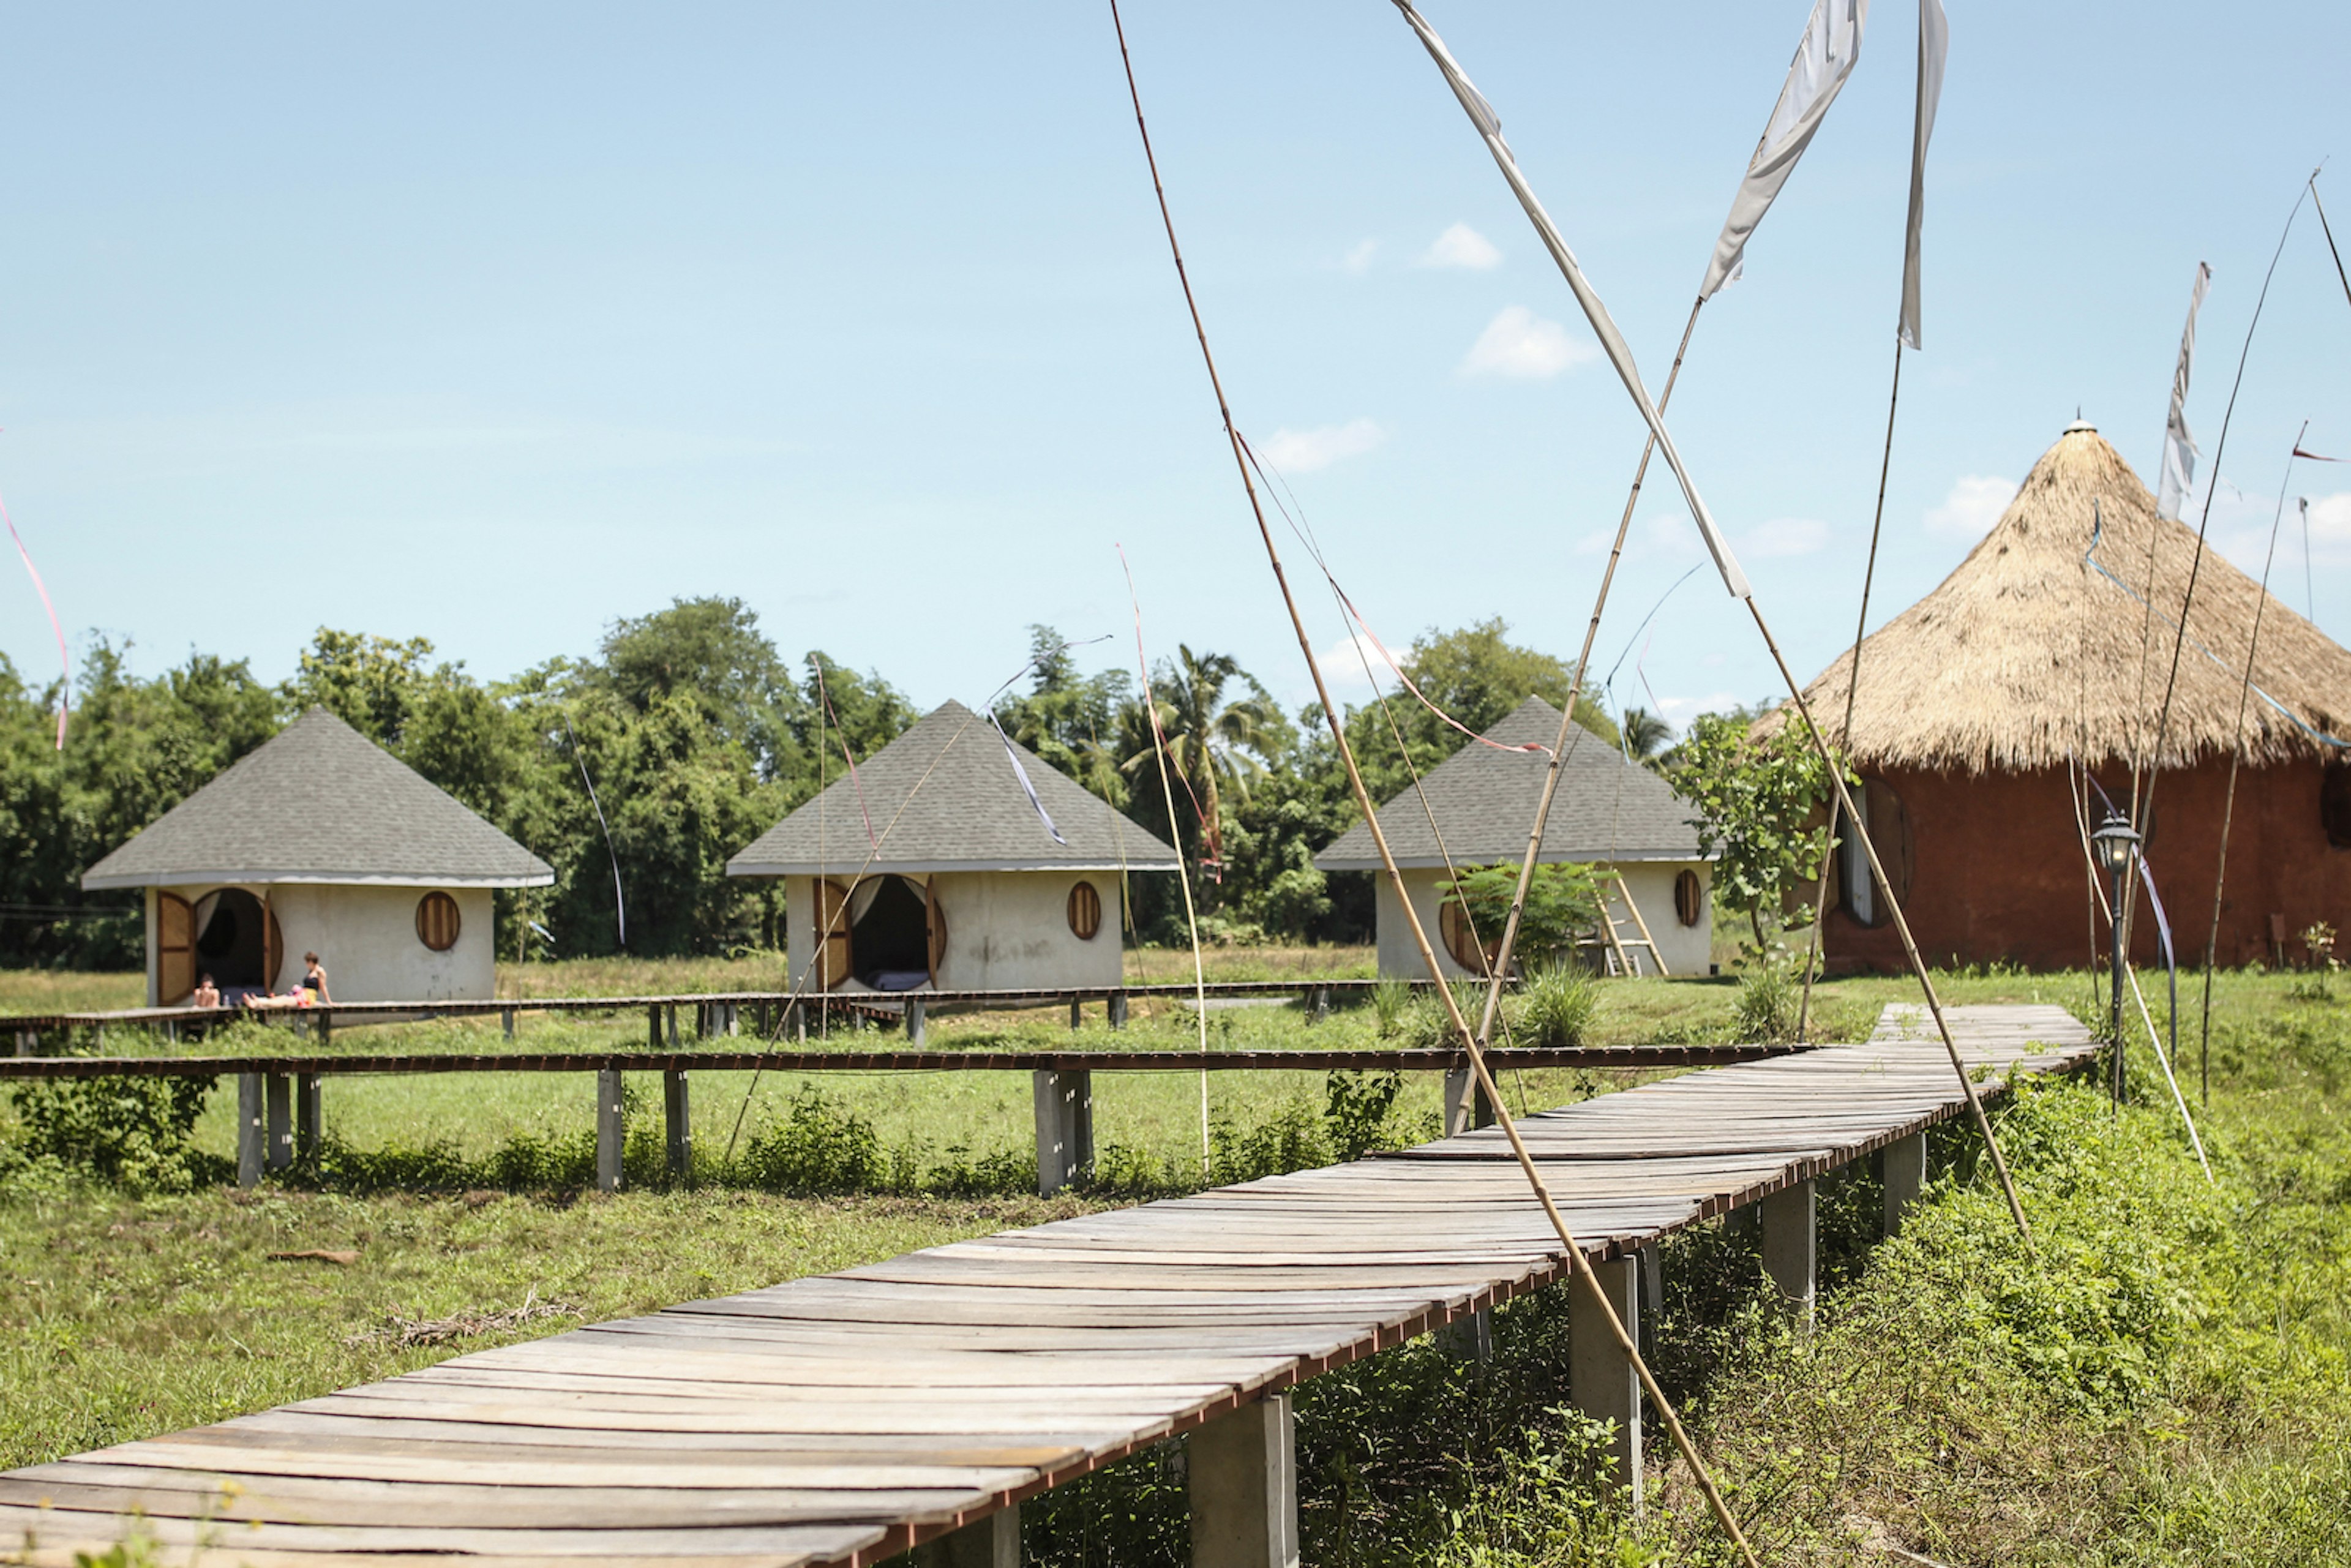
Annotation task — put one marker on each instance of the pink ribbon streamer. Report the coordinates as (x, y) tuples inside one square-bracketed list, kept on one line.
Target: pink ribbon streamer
[(854, 782), (65, 660)]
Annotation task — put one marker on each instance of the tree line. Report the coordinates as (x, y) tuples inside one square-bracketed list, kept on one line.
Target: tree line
[(697, 736)]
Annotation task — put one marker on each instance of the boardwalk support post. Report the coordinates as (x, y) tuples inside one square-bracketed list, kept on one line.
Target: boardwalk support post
[(252, 1130), (1600, 1375), (1077, 1013), (505, 1022), (1065, 1126), (990, 1542), (676, 1113), (1459, 1090), (915, 1030), (279, 1090), (1906, 1174), (1789, 1247), (653, 1027), (610, 1129), (1117, 1009), (1242, 1471), (309, 1121)]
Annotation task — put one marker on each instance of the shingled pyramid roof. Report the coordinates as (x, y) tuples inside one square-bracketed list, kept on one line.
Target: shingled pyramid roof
[(944, 797), (321, 803), (1607, 809), (2029, 652)]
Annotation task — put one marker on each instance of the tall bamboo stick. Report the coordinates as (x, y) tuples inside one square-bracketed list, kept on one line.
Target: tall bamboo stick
[(1852, 689), (1574, 694), (1581, 1264)]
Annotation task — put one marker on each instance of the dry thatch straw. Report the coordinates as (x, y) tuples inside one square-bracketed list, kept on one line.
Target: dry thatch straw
[(2026, 654)]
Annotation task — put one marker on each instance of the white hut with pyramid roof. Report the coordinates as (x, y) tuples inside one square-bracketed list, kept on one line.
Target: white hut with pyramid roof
[(320, 841), (932, 868)]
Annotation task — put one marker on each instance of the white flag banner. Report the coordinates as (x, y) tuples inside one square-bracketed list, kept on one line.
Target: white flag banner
[(1824, 57), (2179, 446), (1934, 47), (1612, 342)]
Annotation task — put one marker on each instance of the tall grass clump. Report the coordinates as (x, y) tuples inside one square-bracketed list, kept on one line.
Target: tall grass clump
[(1556, 1005), (1765, 1013)]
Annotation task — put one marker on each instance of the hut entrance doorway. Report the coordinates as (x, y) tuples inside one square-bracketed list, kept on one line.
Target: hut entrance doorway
[(890, 934), (236, 941)]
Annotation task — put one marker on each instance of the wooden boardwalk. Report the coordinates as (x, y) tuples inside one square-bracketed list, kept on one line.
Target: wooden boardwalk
[(844, 1417)]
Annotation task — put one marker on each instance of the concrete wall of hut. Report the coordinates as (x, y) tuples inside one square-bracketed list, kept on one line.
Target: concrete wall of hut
[(1999, 875), (1685, 948)]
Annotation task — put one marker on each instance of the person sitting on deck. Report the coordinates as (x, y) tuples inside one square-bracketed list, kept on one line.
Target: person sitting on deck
[(314, 978), (206, 994)]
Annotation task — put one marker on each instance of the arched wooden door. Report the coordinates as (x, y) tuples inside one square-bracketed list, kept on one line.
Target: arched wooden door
[(832, 954), (175, 949), (935, 924), (273, 946)]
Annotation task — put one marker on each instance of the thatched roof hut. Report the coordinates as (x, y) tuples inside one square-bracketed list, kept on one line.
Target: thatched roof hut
[(2029, 654), (2002, 715)]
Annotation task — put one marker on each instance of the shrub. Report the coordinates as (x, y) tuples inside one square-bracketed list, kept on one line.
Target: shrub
[(1391, 1001), (1355, 1110), (816, 1148), (1766, 1009), (133, 1131), (1556, 1005)]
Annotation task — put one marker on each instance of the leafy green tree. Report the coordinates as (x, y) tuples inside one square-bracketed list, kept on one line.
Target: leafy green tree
[(1756, 800), (1214, 743), (370, 683), (1072, 721), (1646, 734), (1563, 902)]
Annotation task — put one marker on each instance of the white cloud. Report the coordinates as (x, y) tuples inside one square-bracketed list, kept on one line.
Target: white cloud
[(1463, 246), (1785, 536), (1679, 711), (1358, 260), (1342, 665), (1303, 450), (1522, 345), (2330, 519), (1972, 508)]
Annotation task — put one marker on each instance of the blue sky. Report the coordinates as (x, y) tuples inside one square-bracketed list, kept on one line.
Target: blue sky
[(493, 324)]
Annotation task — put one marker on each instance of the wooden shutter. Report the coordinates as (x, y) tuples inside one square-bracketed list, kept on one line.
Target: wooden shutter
[(935, 926), (1085, 911), (175, 949), (833, 958), (273, 946), (1460, 938), (1690, 898), (437, 921)]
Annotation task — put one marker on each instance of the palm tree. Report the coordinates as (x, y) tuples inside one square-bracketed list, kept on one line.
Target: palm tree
[(1646, 733), (1213, 745)]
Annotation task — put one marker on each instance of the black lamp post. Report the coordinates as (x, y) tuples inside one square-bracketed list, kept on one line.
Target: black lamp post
[(2115, 842)]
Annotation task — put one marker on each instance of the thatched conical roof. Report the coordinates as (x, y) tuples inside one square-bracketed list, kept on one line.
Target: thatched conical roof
[(2027, 653)]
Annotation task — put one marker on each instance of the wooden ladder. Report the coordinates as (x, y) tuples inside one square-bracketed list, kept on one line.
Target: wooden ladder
[(1621, 948)]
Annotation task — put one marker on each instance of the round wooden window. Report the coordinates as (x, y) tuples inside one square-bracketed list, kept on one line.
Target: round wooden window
[(1460, 935), (436, 921), (1085, 911), (1690, 898)]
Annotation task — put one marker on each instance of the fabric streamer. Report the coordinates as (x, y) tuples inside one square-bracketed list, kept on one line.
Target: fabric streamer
[(620, 904), (1934, 47), (1027, 787), (2314, 457), (65, 660), (1604, 326), (1825, 56), (2180, 447)]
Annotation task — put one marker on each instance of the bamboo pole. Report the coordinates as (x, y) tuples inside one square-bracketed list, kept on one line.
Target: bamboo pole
[(1574, 694), (2236, 759), (1852, 689), (1579, 1263)]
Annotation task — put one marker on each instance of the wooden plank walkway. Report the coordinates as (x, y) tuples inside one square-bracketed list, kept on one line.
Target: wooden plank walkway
[(843, 1417)]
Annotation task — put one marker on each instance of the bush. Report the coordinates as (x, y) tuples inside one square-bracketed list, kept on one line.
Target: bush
[(816, 1148), (133, 1131), (1556, 1005), (1391, 1001), (1766, 1009)]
